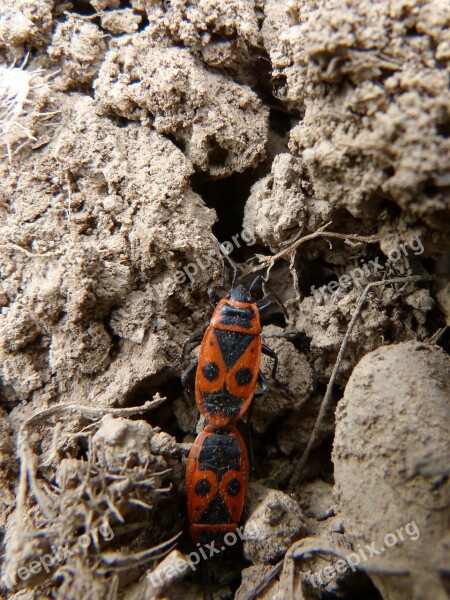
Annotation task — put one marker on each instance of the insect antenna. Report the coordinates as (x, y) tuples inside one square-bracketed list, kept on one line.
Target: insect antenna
[(232, 264)]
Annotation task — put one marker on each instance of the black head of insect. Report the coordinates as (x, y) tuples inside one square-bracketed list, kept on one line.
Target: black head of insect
[(239, 294)]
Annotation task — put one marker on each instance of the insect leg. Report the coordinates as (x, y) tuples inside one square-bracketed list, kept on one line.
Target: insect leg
[(255, 281), (264, 385), (187, 373), (195, 338), (269, 352), (213, 297), (268, 301), (250, 439), (264, 304)]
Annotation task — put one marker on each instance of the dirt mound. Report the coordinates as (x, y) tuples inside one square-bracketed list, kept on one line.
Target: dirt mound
[(311, 139)]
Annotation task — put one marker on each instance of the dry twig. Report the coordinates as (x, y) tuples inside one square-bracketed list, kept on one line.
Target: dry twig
[(349, 238), (304, 549), (328, 394)]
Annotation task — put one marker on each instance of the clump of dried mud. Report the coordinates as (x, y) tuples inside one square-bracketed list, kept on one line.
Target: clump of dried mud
[(391, 458), (130, 132)]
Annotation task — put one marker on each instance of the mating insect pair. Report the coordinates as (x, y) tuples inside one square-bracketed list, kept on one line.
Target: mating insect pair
[(227, 373)]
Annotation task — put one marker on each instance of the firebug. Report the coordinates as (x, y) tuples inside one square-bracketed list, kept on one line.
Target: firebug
[(228, 367), (216, 482)]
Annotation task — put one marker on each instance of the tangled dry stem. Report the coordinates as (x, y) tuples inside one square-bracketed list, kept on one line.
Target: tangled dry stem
[(89, 495), (267, 262)]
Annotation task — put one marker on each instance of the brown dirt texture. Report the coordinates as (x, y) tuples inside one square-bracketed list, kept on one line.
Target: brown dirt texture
[(311, 138)]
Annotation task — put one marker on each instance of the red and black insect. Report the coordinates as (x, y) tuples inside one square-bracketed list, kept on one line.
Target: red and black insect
[(216, 482), (230, 355), (227, 373)]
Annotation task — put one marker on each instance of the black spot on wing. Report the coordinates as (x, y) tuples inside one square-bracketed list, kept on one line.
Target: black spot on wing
[(210, 371), (202, 487), (233, 487), (244, 376)]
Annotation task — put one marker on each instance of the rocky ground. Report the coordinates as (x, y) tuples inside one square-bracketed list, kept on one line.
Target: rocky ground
[(313, 137)]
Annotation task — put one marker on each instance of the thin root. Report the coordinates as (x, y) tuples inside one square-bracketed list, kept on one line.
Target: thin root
[(296, 477)]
